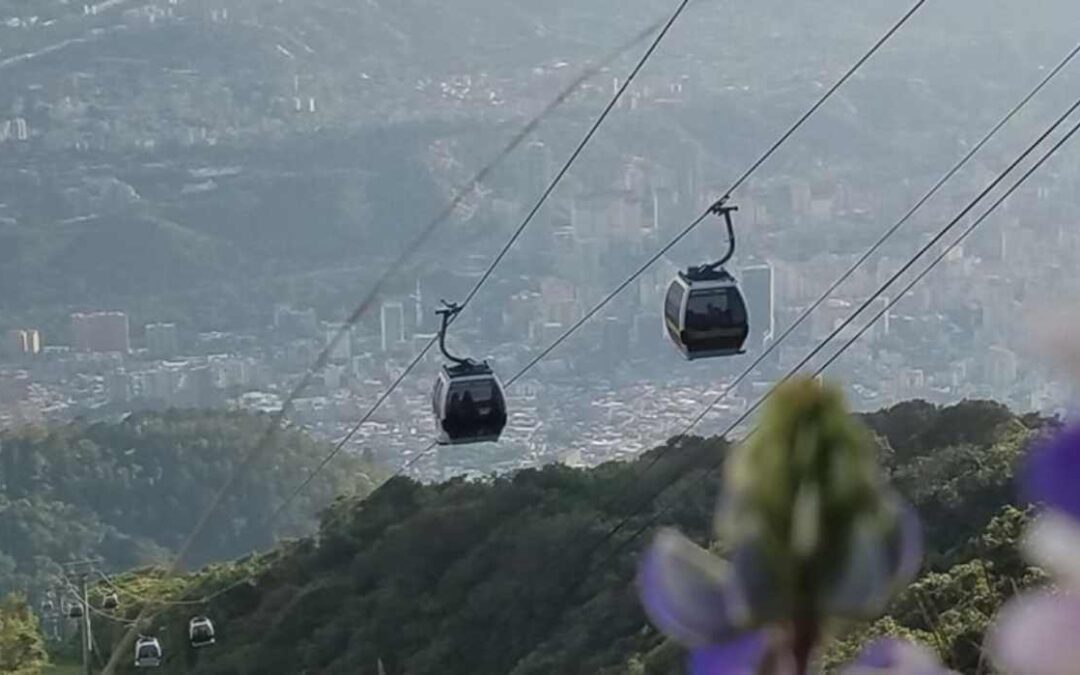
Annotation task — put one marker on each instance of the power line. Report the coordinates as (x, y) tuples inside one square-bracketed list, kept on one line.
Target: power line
[(652, 521)]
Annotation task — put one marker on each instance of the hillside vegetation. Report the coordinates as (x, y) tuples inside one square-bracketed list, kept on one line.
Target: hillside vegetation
[(526, 573), (130, 492)]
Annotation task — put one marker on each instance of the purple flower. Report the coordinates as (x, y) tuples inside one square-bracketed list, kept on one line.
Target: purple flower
[(897, 657), (815, 536), (1053, 469), (741, 656), (874, 570), (724, 612), (1053, 543), (1037, 634), (688, 593)]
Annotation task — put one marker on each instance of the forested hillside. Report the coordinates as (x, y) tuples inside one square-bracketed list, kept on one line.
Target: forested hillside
[(526, 573), (130, 492)]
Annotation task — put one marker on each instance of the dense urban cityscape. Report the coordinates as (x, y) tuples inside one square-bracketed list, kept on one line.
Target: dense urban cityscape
[(614, 388)]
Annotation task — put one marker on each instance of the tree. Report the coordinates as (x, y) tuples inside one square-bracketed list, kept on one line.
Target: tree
[(22, 648)]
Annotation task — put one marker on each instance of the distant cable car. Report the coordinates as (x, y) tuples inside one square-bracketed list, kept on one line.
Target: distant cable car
[(147, 652), (111, 601), (75, 610), (704, 311), (467, 399), (201, 632), (48, 608)]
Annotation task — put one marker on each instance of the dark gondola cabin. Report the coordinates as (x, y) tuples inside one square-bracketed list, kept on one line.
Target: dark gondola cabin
[(201, 632), (147, 653), (467, 399), (705, 314), (469, 404), (111, 601), (704, 311), (75, 611)]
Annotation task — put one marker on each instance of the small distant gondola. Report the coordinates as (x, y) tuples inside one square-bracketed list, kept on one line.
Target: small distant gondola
[(147, 652), (201, 632)]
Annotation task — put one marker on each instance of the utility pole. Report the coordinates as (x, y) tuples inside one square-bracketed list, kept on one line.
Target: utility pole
[(85, 632), (81, 570)]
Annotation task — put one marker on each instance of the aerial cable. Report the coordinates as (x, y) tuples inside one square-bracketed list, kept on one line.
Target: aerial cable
[(88, 607), (727, 194), (915, 258), (641, 270), (505, 249), (324, 356), (651, 521), (881, 241)]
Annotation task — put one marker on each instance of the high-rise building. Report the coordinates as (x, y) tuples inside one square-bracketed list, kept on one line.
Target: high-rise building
[(162, 340), (392, 325), (342, 351), (100, 332), (757, 285), (418, 305), (21, 343)]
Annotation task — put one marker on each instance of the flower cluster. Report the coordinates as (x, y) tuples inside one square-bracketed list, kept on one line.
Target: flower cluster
[(1039, 633), (813, 536)]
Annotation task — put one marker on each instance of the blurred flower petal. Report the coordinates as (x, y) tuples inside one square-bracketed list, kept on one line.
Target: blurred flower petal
[(909, 554), (1038, 634), (1053, 472), (899, 657), (685, 590), (1055, 331), (741, 656), (865, 581), (1052, 542), (878, 563)]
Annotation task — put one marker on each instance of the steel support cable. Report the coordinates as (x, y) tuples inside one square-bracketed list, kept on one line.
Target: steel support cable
[(651, 261), (996, 204), (881, 289), (727, 194), (324, 356), (503, 251), (637, 273), (94, 610), (884, 238), (141, 599), (640, 270)]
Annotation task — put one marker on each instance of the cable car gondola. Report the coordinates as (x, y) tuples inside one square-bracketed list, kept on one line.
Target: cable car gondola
[(704, 310), (467, 399), (75, 610), (201, 632), (147, 652), (111, 601)]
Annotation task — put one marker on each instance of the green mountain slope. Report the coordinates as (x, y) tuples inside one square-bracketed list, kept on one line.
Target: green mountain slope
[(131, 491), (518, 574)]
